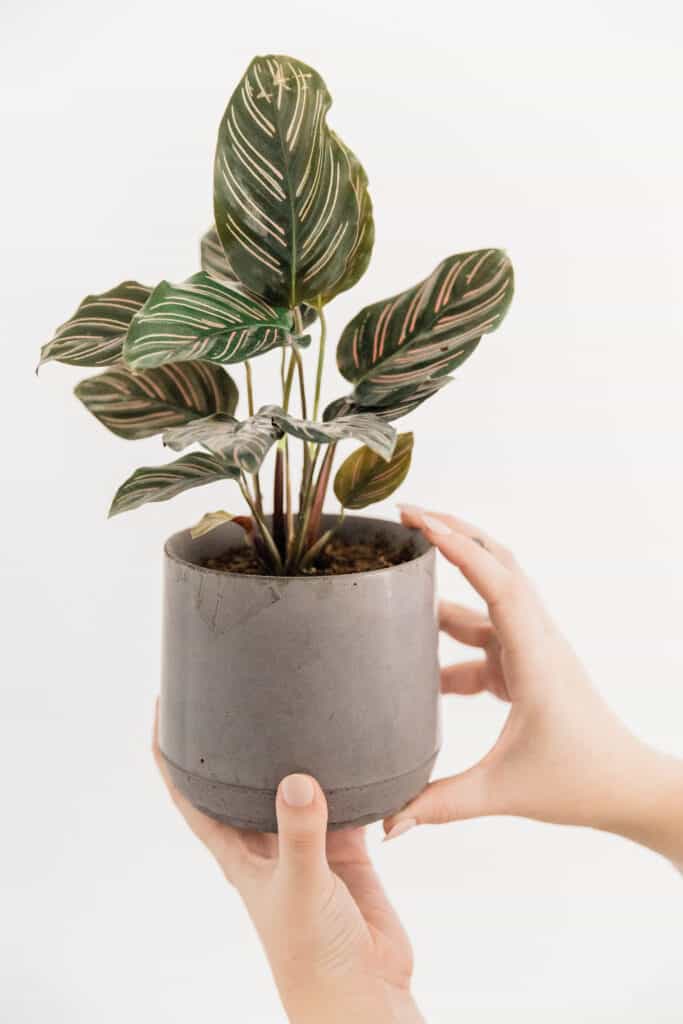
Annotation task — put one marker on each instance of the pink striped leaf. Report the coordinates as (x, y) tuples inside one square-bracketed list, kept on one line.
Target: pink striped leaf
[(136, 405), (94, 335), (158, 483), (215, 262), (204, 318), (394, 347), (290, 199)]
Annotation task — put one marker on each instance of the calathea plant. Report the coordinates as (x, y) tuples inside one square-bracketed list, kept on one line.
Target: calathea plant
[(293, 229)]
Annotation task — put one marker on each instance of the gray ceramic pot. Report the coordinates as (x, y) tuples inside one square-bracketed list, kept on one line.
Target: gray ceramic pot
[(336, 676)]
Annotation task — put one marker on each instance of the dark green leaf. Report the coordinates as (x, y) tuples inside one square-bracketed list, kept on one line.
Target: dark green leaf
[(157, 483), (203, 318), (364, 478), (290, 199), (215, 262), (393, 347), (135, 405), (94, 335)]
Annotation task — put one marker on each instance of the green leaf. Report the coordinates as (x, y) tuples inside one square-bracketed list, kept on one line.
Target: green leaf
[(376, 434), (290, 199), (243, 444), (393, 347), (215, 262), (94, 335), (364, 478), (400, 404), (135, 405), (203, 318), (213, 258), (158, 483)]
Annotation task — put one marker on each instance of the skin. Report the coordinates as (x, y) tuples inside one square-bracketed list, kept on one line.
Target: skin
[(562, 756), (335, 945)]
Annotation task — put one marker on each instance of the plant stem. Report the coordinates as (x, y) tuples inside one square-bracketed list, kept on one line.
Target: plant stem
[(279, 532), (251, 407), (321, 358), (313, 525), (265, 532), (321, 543)]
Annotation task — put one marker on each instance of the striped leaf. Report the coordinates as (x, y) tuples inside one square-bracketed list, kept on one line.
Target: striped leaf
[(370, 429), (215, 262), (213, 258), (401, 402), (203, 318), (94, 335), (136, 405), (243, 444), (364, 478), (290, 199), (395, 346), (158, 483)]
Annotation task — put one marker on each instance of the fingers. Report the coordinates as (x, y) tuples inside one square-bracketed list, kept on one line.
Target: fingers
[(465, 678), (480, 567), (465, 624), (302, 825), (223, 841), (453, 799), (510, 598), (470, 530)]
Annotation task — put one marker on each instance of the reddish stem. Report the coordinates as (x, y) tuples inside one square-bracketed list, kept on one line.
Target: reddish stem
[(279, 528)]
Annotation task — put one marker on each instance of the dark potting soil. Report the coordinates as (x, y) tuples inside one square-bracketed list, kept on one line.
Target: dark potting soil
[(337, 558)]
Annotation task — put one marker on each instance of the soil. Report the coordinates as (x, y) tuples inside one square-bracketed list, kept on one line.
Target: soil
[(337, 558)]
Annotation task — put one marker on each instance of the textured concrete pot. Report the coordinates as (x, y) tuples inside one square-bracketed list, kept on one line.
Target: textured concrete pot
[(336, 676)]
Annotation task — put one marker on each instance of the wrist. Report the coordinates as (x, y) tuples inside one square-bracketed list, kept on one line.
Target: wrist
[(647, 805)]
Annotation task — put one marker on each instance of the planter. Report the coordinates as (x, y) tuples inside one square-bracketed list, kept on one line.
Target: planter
[(336, 676)]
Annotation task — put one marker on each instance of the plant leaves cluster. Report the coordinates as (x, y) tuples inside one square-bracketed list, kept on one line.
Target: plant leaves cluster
[(293, 229)]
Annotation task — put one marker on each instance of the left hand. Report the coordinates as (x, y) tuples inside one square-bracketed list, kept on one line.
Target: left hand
[(336, 948)]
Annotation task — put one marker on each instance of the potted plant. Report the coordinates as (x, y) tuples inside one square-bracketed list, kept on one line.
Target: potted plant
[(294, 640)]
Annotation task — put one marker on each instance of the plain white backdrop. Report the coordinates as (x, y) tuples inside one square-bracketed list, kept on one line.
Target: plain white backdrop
[(551, 130)]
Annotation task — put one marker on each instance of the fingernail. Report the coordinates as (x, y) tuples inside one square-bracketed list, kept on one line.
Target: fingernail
[(297, 790), (435, 525), (399, 828), (412, 510)]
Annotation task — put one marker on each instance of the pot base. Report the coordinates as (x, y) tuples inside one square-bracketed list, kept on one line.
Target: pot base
[(246, 807)]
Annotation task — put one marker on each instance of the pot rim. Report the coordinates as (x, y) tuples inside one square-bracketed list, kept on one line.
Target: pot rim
[(411, 531)]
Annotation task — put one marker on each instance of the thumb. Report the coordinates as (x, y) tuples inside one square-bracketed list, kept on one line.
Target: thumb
[(302, 828), (451, 799)]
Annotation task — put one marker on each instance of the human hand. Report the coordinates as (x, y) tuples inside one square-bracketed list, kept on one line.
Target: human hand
[(335, 945), (562, 755)]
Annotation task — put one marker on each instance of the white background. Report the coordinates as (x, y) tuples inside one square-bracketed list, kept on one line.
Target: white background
[(551, 130)]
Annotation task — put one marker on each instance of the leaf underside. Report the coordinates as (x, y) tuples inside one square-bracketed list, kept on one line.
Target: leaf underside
[(137, 405), (375, 433), (364, 478), (94, 335), (290, 199), (158, 483), (247, 443), (203, 318), (400, 404), (413, 339)]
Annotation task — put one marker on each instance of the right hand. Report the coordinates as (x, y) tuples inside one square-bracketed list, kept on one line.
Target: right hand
[(562, 755)]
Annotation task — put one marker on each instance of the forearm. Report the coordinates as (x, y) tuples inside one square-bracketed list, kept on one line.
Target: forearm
[(648, 808)]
